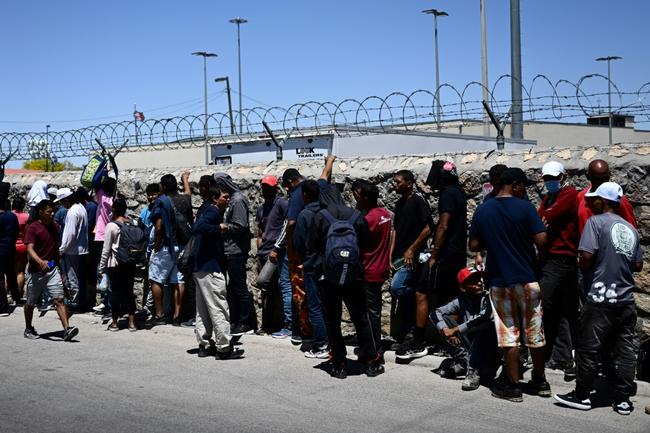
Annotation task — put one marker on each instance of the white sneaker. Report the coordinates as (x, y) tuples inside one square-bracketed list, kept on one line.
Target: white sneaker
[(317, 353), (99, 308)]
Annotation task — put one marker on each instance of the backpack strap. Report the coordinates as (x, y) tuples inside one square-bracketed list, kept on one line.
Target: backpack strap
[(353, 217), (328, 216)]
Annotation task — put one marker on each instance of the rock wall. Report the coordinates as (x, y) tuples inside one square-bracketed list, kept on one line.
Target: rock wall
[(630, 166)]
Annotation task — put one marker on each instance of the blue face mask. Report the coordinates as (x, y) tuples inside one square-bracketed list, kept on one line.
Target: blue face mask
[(552, 186)]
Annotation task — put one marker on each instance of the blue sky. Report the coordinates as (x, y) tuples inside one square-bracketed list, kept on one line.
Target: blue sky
[(77, 63)]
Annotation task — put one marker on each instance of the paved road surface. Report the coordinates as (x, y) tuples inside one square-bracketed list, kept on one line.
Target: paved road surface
[(147, 382)]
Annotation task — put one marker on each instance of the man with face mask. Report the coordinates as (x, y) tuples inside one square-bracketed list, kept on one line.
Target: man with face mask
[(559, 280)]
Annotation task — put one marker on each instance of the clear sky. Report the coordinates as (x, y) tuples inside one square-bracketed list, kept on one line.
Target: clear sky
[(76, 63)]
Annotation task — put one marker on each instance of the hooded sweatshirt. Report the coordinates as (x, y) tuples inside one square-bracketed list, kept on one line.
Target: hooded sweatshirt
[(237, 239)]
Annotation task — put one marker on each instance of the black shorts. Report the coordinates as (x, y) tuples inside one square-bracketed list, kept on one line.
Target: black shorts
[(440, 281)]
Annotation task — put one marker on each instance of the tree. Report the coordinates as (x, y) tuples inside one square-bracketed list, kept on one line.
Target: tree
[(41, 164)]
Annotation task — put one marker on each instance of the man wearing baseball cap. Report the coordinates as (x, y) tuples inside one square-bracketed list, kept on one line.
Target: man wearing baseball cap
[(559, 279), (610, 252), (270, 217), (466, 324)]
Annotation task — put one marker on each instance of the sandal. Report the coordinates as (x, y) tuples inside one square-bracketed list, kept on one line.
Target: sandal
[(132, 328), (113, 328)]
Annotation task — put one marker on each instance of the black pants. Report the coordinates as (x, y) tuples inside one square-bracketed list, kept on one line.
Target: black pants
[(123, 298), (560, 300), (332, 297), (373, 304), (240, 300), (272, 306), (440, 283), (599, 325), (8, 271)]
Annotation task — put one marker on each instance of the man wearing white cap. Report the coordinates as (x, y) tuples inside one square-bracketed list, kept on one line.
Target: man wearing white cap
[(610, 252), (559, 281), (61, 211)]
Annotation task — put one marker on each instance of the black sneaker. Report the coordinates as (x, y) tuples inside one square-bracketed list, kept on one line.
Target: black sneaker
[(574, 400), (507, 391), (338, 371), (623, 407), (570, 373), (31, 333), (70, 333), (205, 351), (375, 368), (155, 321), (239, 330), (176, 322), (539, 386), (231, 353), (411, 351)]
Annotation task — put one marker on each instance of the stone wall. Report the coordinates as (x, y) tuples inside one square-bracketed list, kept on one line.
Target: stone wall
[(630, 167)]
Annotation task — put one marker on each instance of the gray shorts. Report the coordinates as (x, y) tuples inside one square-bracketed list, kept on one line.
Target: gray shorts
[(37, 282)]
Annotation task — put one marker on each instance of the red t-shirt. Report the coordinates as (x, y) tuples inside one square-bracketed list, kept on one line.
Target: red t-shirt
[(22, 223), (562, 228), (45, 240), (376, 258), (624, 210)]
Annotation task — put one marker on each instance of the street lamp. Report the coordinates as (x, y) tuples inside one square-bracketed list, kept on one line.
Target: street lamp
[(47, 147), (239, 21), (436, 13), (205, 55), (232, 120), (609, 59), (484, 66)]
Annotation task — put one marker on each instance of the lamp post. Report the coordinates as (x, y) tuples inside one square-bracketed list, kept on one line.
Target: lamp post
[(609, 59), (205, 56), (239, 21), (517, 128), (47, 148), (232, 120), (436, 13), (484, 67)]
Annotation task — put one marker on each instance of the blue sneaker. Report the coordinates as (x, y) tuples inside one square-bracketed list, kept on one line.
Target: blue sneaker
[(282, 333)]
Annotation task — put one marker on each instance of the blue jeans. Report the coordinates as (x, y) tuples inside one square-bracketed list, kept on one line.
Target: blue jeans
[(319, 331), (285, 289), (402, 282)]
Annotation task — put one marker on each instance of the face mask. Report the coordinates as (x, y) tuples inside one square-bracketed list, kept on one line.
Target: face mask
[(552, 186)]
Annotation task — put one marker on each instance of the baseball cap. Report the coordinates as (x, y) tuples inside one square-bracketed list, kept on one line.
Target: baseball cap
[(514, 174), (609, 191), (553, 168), (465, 273), (270, 180), (62, 193), (52, 190)]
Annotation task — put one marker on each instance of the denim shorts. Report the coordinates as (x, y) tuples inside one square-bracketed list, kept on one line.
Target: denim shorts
[(163, 268), (48, 282), (402, 282)]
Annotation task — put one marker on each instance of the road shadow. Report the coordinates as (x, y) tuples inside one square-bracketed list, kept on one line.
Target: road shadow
[(56, 336), (353, 368)]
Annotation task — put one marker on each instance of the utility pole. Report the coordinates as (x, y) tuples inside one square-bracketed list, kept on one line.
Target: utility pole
[(47, 147), (609, 59), (484, 67), (205, 55), (517, 126), (436, 13)]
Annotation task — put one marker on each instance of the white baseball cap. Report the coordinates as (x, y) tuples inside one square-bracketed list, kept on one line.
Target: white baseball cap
[(553, 168), (609, 191), (52, 190), (62, 193)]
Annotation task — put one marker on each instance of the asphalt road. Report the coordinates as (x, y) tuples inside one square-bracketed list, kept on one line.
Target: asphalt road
[(148, 382)]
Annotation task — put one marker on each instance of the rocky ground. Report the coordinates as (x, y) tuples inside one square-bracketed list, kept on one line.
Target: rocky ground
[(630, 166)]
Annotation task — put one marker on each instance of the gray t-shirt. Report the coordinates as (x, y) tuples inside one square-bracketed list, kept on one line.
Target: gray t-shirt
[(615, 243)]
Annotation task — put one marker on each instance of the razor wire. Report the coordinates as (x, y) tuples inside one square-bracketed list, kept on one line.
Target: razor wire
[(542, 100)]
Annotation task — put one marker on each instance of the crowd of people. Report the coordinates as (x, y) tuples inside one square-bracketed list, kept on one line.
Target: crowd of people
[(551, 284)]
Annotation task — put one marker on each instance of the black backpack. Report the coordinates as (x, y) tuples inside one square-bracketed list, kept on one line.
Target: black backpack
[(182, 227), (342, 255), (132, 248)]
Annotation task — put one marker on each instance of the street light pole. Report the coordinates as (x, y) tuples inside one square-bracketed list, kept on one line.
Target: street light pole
[(205, 56), (239, 21), (47, 147), (232, 120), (436, 13), (484, 67), (609, 59), (517, 126)]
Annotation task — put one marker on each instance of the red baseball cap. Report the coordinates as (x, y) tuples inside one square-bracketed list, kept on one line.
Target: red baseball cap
[(465, 273), (270, 180)]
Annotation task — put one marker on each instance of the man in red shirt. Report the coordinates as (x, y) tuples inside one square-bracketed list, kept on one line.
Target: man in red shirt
[(597, 174), (559, 281), (376, 257)]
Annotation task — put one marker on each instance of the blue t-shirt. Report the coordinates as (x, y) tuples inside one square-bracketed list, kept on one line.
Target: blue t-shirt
[(329, 194), (8, 234), (506, 226), (91, 210), (59, 216), (162, 208)]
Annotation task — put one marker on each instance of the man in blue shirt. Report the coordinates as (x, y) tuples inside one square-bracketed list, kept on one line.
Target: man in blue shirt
[(510, 229), (212, 313)]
